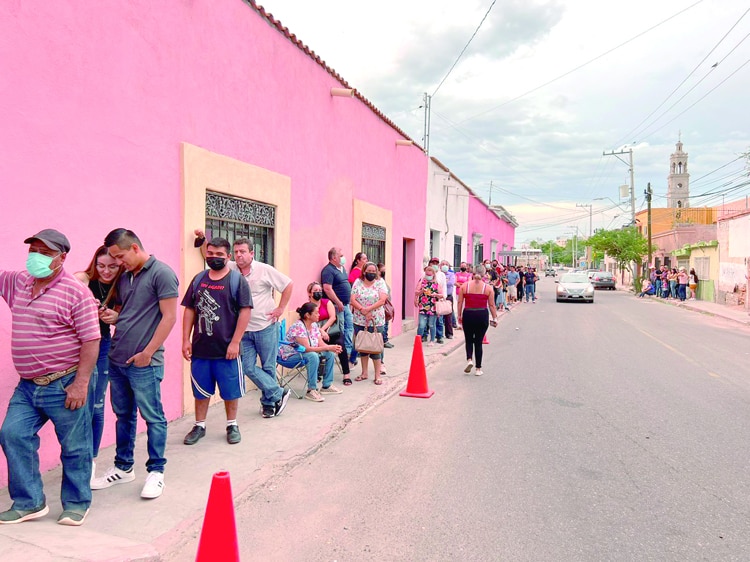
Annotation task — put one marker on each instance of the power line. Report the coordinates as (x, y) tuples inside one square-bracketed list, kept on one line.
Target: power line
[(688, 108), (636, 128), (694, 86), (581, 65), (464, 49)]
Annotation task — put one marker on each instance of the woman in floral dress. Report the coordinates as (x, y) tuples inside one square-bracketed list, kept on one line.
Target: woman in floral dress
[(369, 294), (427, 294)]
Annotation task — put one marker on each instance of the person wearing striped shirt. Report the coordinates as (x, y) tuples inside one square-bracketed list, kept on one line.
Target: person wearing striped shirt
[(54, 344)]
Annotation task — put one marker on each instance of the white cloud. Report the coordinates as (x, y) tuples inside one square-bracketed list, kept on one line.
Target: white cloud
[(547, 145)]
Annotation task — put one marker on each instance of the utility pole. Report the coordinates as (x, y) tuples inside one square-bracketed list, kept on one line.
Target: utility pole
[(629, 164), (648, 193), (588, 247), (426, 137), (490, 203), (632, 188)]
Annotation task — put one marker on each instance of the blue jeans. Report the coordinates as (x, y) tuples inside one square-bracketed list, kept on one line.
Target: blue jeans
[(263, 344), (96, 397), (30, 407), (681, 291), (133, 389), (313, 362), (530, 291), (440, 326), (346, 327), (427, 322), (500, 300), (385, 331)]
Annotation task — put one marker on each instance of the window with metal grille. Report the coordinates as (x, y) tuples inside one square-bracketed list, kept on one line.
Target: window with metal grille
[(373, 242), (457, 251), (233, 218), (478, 253)]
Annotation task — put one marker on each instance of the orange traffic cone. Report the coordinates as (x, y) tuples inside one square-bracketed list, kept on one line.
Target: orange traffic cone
[(416, 387), (485, 340), (219, 534)]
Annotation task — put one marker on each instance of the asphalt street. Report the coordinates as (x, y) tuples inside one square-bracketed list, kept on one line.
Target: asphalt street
[(612, 431)]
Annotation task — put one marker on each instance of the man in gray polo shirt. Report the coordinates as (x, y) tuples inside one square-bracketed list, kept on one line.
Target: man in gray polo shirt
[(145, 314)]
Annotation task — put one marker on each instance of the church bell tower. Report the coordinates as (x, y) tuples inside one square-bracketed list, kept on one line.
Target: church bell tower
[(678, 191)]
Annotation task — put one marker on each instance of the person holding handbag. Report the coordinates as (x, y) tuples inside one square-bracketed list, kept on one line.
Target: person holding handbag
[(426, 300), (306, 333), (369, 294), (475, 298), (329, 327)]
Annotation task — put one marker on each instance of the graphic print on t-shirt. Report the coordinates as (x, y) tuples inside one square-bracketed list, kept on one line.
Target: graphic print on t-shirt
[(216, 313), (206, 309)]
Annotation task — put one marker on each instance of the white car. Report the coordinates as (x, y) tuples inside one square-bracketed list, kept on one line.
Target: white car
[(575, 287)]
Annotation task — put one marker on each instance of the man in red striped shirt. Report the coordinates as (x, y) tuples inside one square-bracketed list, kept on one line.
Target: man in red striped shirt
[(54, 344)]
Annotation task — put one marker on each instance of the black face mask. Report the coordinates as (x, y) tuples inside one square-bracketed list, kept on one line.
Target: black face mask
[(371, 276), (217, 264), (317, 295), (382, 274), (463, 269)]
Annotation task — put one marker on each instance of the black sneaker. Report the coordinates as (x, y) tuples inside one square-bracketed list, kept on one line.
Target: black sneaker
[(281, 404), (388, 345), (233, 434), (439, 340), (195, 435), (268, 411)]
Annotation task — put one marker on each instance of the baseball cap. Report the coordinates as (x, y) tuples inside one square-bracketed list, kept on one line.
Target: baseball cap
[(53, 239), (434, 260)]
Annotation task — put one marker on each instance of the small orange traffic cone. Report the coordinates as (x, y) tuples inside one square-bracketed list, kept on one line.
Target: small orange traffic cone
[(219, 534), (485, 340), (416, 387)]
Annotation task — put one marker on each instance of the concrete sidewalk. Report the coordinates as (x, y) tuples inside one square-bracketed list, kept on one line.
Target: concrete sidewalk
[(734, 313), (122, 526)]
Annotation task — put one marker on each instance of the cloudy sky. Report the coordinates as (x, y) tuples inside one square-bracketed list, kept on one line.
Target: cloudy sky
[(545, 87)]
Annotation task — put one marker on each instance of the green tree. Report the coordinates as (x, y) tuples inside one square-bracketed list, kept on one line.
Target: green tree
[(625, 245)]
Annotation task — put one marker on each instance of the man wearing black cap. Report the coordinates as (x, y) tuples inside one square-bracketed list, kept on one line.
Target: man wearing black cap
[(54, 344)]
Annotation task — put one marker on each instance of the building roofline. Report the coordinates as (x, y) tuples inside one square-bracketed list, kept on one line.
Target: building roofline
[(273, 22)]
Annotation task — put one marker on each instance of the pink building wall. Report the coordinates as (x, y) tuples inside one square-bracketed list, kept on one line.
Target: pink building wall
[(98, 96), (485, 222)]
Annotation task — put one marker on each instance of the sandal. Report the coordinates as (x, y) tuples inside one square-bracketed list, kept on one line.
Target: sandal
[(360, 378), (347, 381), (378, 381)]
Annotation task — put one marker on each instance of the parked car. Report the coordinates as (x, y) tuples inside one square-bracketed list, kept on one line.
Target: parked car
[(575, 287), (549, 272), (590, 272), (603, 280)]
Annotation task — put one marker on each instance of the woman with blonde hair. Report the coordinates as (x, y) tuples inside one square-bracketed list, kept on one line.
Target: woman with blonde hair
[(101, 278)]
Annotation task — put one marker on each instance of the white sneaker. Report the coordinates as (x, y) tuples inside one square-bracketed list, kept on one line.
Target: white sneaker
[(333, 389), (479, 372), (113, 476), (154, 485), (469, 367), (314, 395)]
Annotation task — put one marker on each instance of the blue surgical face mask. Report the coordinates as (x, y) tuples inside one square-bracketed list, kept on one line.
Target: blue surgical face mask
[(428, 277), (342, 260), (444, 269), (38, 265)]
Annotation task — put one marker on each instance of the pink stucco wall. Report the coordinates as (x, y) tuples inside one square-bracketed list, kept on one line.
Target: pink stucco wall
[(96, 98), (485, 222)]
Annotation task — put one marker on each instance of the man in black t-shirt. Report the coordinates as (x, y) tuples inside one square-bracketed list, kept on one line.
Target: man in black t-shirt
[(217, 310), (336, 286), (529, 281)]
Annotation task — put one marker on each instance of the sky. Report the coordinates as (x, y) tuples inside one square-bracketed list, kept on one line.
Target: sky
[(545, 87)]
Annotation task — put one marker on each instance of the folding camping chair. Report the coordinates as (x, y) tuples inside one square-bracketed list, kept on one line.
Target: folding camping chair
[(287, 370)]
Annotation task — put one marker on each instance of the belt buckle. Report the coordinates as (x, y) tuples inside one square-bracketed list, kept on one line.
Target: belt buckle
[(41, 381)]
